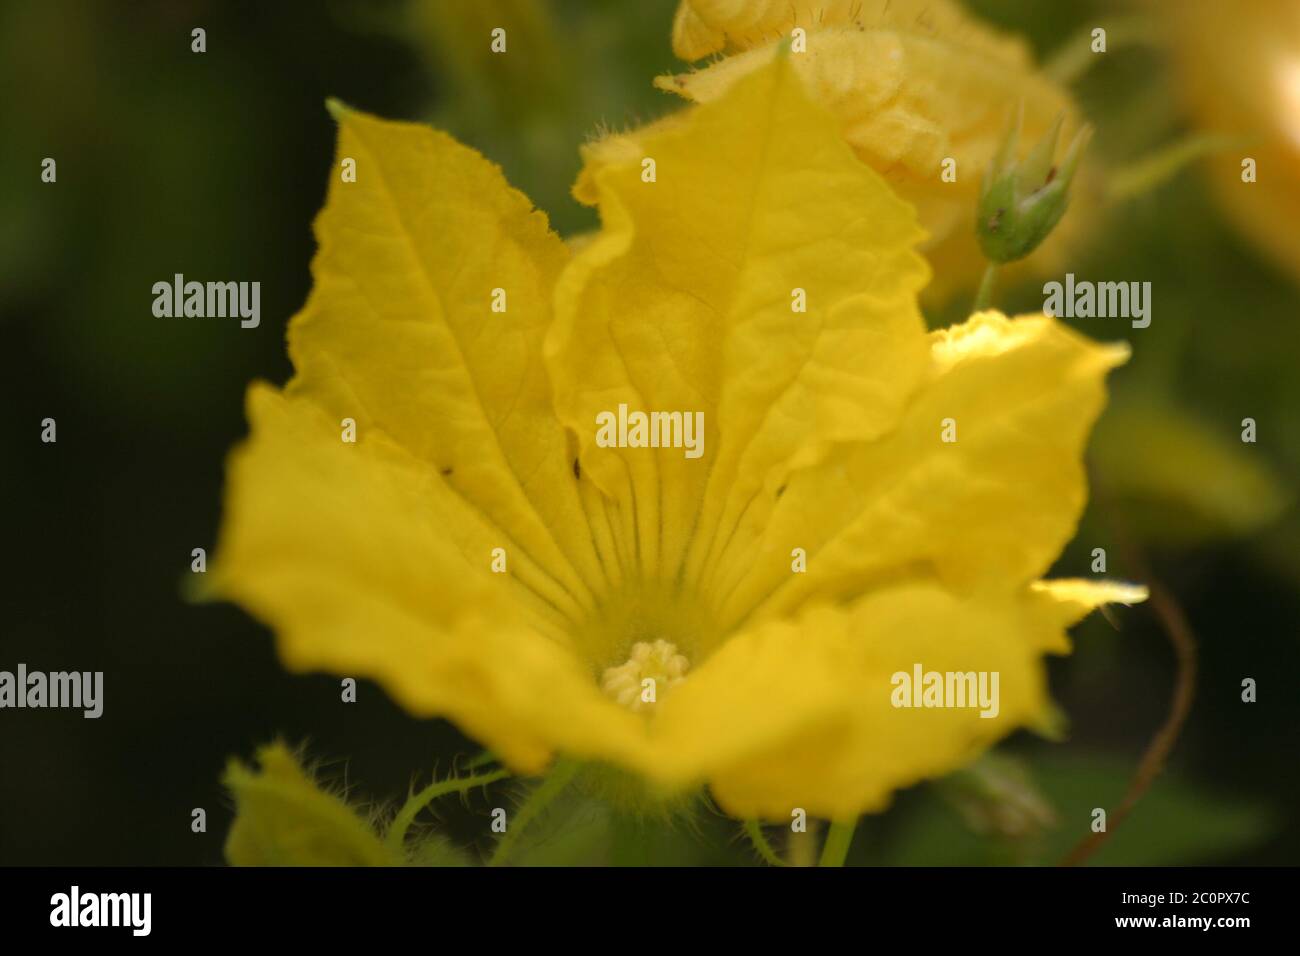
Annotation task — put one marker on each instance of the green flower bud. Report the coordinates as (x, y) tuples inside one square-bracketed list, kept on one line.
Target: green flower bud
[(284, 818), (1020, 203)]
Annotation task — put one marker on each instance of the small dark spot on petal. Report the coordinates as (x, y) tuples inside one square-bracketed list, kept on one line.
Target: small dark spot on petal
[(780, 491), (446, 471), (577, 469)]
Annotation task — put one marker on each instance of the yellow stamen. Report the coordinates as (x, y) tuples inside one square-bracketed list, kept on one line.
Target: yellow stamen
[(652, 669)]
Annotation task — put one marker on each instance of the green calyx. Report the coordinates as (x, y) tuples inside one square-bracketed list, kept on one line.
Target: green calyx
[(1021, 202)]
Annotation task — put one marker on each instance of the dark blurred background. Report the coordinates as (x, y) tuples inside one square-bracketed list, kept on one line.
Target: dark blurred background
[(214, 164)]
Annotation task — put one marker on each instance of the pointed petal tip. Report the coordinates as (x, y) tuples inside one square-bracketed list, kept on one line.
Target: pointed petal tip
[(1117, 353), (338, 109), (1127, 593), (669, 83)]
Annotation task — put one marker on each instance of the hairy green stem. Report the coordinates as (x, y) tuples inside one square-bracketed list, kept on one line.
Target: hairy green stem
[(550, 788), (482, 760), (754, 830), (396, 836)]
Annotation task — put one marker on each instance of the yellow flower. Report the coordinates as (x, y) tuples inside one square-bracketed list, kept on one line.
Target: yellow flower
[(478, 553), (913, 83), (1239, 71)]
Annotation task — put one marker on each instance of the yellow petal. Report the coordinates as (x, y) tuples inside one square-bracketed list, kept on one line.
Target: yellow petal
[(992, 508), (913, 84), (351, 554), (685, 303), (1072, 599), (801, 714), (399, 334)]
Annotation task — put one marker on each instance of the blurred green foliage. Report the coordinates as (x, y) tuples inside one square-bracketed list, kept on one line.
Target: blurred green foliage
[(1175, 824)]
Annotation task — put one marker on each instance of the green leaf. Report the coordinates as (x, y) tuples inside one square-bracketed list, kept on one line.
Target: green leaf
[(1191, 483), (1175, 823)]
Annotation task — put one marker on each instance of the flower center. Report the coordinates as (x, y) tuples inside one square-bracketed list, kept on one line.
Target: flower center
[(652, 669)]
